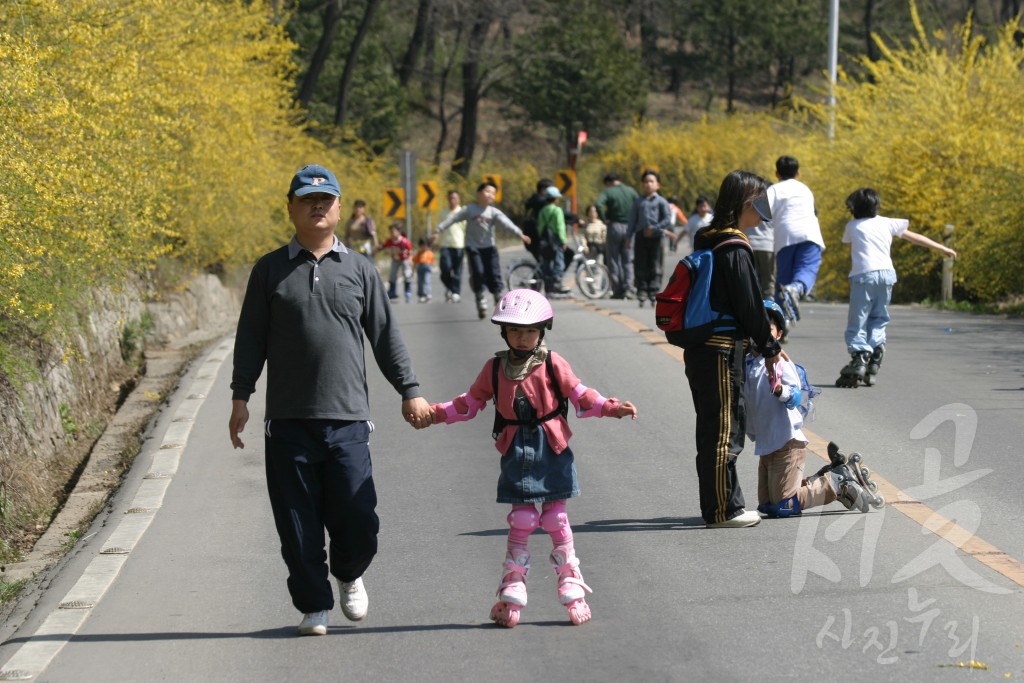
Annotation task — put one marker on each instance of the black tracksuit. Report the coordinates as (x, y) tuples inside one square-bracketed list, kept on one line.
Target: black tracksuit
[(714, 370)]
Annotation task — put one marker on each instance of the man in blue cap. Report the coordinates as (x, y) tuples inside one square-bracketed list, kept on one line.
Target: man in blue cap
[(307, 307)]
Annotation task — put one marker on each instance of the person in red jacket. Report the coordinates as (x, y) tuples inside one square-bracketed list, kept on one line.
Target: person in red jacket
[(401, 260), (531, 388)]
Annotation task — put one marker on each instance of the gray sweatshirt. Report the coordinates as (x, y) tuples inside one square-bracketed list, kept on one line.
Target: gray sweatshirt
[(480, 224), (306, 320)]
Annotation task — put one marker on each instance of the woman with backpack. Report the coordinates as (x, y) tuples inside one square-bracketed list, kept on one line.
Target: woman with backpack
[(714, 366)]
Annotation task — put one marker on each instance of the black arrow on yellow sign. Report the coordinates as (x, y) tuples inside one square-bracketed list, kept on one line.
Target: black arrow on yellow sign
[(426, 195), (394, 202), (564, 180)]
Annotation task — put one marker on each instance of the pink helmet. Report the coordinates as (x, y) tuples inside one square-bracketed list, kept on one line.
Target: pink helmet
[(524, 308)]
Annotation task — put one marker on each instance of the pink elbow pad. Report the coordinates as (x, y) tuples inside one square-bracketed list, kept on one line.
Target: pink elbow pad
[(594, 410), (452, 414)]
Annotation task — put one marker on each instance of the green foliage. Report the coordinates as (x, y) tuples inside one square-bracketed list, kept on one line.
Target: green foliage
[(10, 590), (67, 421), (71, 538), (577, 75), (721, 50), (377, 105), (133, 335)]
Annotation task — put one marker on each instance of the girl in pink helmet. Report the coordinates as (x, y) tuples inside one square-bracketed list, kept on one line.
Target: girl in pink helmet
[(531, 388)]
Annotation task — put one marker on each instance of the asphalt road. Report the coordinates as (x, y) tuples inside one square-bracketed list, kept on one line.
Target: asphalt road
[(183, 581)]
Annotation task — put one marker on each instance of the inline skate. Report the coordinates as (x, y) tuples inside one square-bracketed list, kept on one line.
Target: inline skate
[(790, 295), (874, 362), (512, 591), (851, 480), (854, 372)]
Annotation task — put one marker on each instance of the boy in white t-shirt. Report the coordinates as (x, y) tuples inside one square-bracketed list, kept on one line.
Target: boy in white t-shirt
[(797, 237), (871, 279)]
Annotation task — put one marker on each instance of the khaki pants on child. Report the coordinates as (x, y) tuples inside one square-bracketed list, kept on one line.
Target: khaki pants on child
[(780, 476)]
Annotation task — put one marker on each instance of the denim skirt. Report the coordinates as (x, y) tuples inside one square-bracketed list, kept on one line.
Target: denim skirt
[(531, 472)]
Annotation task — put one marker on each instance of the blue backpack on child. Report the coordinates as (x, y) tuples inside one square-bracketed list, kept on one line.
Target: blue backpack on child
[(683, 310), (808, 392)]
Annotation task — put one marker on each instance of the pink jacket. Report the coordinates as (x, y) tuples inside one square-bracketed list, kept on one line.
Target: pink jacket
[(537, 389)]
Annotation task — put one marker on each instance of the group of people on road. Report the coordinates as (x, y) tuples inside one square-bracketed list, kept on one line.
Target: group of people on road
[(310, 305)]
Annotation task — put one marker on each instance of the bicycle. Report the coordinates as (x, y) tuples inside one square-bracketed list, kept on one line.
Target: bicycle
[(591, 277)]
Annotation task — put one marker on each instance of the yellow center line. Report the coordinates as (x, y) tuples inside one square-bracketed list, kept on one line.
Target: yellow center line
[(978, 548)]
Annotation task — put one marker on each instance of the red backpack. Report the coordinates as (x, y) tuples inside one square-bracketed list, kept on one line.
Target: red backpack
[(683, 310)]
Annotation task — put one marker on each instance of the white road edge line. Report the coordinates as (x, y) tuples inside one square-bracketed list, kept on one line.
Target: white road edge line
[(36, 653)]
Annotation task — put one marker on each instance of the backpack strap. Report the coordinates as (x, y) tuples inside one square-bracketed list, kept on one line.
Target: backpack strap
[(500, 421), (733, 240)]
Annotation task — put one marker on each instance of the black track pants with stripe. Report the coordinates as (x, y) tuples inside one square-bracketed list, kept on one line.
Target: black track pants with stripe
[(715, 373)]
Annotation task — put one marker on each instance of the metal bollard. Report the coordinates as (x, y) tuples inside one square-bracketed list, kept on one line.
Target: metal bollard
[(947, 268)]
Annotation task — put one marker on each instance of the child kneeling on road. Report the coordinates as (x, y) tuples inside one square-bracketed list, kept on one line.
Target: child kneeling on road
[(776, 408), (531, 388)]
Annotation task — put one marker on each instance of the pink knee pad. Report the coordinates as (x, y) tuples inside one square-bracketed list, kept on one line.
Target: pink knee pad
[(523, 518), (554, 519)]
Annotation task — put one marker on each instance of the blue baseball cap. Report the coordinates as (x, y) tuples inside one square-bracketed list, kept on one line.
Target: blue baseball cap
[(314, 178)]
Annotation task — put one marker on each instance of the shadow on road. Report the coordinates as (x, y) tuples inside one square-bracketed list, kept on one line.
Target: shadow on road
[(606, 525), (281, 633)]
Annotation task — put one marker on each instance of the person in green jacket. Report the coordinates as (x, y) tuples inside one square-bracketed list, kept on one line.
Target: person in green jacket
[(551, 233)]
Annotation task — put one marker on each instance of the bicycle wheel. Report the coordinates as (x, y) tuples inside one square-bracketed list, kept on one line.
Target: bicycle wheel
[(593, 280), (525, 275)]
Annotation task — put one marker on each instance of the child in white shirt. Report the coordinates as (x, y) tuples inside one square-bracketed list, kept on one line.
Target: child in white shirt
[(775, 409), (871, 279)]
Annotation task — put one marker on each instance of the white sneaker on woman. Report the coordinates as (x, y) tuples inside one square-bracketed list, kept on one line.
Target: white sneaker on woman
[(354, 601), (745, 518)]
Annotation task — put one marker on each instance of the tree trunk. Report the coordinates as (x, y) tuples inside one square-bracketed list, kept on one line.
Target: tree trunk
[(350, 62), (470, 96), (869, 12), (730, 68), (442, 114), (408, 67), (1010, 9), (649, 37), (331, 19), (427, 78)]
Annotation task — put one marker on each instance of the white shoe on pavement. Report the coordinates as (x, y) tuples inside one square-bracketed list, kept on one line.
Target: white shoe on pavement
[(354, 601), (744, 519), (456, 298), (314, 623)]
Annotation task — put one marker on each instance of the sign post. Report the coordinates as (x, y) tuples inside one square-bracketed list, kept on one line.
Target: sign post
[(407, 168), (574, 157)]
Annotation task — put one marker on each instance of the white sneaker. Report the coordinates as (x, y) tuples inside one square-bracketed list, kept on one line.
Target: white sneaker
[(745, 518), (354, 601), (314, 624), (456, 298)]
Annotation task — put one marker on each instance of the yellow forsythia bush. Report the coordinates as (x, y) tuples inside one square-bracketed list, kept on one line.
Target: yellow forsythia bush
[(693, 158), (137, 130), (936, 127)]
